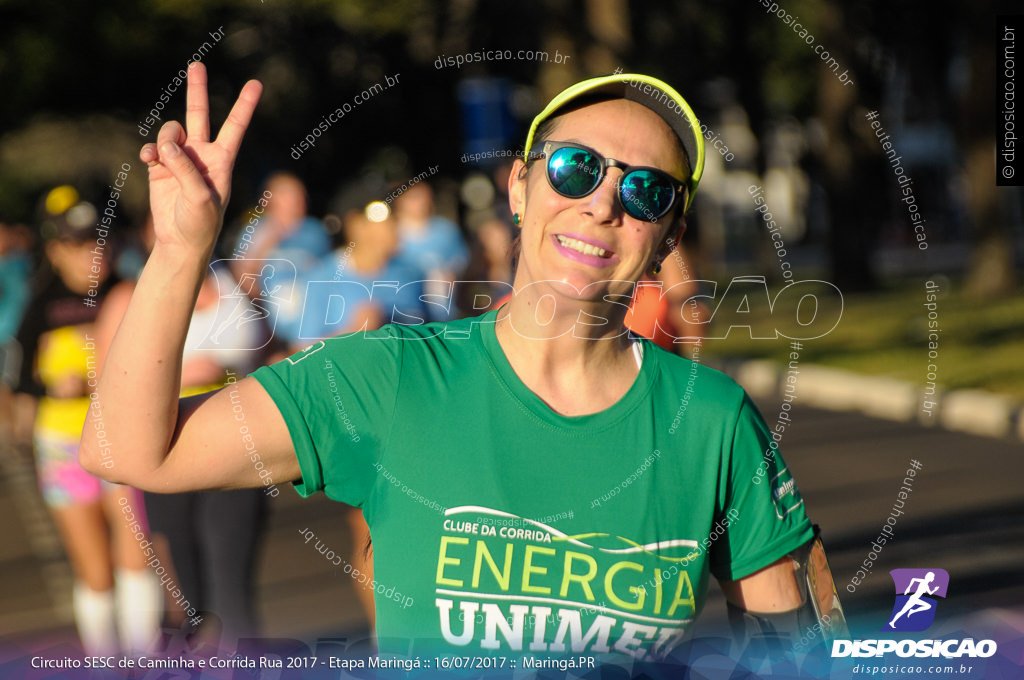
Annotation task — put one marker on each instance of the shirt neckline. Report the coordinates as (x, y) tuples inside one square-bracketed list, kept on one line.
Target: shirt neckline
[(510, 381)]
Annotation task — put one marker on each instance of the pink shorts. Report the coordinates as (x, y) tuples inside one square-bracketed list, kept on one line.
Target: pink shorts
[(61, 479)]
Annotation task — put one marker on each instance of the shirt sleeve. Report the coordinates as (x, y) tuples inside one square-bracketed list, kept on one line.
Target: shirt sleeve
[(762, 506), (338, 399)]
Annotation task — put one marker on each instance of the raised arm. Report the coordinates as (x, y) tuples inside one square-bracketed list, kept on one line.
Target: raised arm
[(136, 432)]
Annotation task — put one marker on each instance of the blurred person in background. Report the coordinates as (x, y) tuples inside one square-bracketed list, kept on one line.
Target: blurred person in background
[(367, 280), (432, 244), (131, 252), (284, 230), (280, 228), (15, 276), (663, 307), (16, 268), (490, 268), (100, 523), (207, 539)]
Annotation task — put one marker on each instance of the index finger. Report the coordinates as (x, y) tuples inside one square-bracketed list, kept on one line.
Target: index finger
[(231, 133), (197, 104)]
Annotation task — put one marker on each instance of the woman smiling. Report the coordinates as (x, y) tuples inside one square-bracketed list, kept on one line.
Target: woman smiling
[(528, 411)]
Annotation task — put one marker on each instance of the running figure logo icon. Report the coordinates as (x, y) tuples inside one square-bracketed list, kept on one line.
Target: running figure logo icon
[(914, 610), (248, 313)]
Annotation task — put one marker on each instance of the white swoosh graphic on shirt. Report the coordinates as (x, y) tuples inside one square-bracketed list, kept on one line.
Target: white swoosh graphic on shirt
[(648, 548)]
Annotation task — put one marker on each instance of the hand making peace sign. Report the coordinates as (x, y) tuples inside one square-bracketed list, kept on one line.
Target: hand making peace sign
[(190, 176)]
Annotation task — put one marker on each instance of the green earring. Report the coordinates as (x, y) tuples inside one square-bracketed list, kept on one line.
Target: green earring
[(515, 219), (656, 268)]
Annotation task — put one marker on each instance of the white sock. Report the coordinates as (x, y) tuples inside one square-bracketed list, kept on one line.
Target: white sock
[(139, 608), (94, 616)]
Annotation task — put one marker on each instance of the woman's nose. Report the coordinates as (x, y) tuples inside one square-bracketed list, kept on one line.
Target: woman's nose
[(603, 203)]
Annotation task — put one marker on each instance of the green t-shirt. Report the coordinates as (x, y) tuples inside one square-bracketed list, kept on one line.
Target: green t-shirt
[(500, 526)]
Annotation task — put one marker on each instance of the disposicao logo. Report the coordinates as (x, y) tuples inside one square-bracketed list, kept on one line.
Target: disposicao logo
[(914, 610)]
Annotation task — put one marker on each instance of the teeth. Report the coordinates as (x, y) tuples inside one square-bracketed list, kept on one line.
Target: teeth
[(580, 246)]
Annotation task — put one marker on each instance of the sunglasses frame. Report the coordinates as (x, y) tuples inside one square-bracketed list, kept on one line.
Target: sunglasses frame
[(544, 150)]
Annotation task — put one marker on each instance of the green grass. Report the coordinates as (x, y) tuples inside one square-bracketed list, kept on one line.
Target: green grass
[(981, 345)]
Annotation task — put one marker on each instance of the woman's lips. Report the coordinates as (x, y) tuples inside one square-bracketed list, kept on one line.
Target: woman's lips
[(586, 250)]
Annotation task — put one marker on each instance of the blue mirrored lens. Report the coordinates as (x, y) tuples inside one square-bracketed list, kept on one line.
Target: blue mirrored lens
[(573, 172), (646, 195)]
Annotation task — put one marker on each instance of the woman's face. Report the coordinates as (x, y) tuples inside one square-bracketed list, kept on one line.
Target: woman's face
[(74, 262), (287, 201), (619, 129), (379, 239)]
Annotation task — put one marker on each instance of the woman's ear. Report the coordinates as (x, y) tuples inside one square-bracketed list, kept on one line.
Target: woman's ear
[(517, 188), (672, 238)]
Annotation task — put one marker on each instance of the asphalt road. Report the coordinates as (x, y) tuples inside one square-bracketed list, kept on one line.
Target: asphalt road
[(965, 515)]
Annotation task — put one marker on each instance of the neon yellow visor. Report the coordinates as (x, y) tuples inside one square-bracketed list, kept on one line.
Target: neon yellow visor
[(656, 95)]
